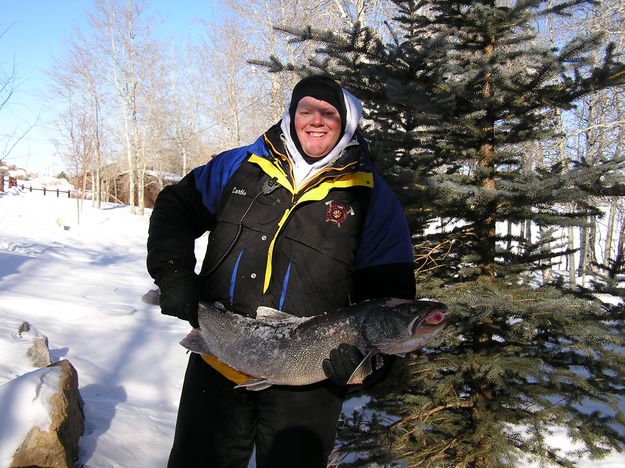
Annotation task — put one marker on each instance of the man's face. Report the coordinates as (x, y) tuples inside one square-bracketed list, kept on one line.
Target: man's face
[(318, 126)]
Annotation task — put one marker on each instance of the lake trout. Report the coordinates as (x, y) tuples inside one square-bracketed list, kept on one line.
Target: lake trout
[(277, 348)]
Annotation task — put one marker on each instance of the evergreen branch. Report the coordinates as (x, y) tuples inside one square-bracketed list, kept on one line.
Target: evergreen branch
[(433, 258)]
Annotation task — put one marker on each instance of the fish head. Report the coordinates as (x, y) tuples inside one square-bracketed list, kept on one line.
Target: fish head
[(399, 326)]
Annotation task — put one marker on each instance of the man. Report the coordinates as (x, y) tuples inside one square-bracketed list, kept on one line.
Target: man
[(299, 221)]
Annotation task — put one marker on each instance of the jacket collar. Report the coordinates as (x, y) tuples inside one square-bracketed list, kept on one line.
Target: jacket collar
[(351, 159)]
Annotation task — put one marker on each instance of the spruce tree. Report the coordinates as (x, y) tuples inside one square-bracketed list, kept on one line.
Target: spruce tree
[(452, 103)]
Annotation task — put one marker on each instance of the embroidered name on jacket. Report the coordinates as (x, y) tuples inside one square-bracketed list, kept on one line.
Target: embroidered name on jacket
[(338, 213), (239, 191)]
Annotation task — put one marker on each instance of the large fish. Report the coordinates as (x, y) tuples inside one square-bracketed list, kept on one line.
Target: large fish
[(277, 348)]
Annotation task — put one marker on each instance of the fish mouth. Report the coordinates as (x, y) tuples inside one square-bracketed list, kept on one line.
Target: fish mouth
[(433, 321), (418, 332)]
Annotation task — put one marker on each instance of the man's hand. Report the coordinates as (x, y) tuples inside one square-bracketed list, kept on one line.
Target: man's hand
[(342, 363), (180, 295)]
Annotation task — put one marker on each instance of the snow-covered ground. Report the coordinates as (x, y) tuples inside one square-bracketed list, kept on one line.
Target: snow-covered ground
[(81, 284)]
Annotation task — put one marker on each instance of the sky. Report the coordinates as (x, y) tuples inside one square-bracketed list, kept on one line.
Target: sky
[(79, 280), (35, 32)]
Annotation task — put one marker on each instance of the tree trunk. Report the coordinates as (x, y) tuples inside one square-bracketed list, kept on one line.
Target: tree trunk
[(591, 254), (97, 178), (486, 228), (545, 247), (607, 252), (571, 259), (620, 253)]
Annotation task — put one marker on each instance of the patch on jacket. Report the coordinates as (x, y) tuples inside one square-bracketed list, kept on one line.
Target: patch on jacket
[(338, 213)]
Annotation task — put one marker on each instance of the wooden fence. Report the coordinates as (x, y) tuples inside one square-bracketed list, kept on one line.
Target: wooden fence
[(12, 182)]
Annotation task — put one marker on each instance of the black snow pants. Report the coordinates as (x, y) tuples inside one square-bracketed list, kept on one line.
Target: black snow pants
[(218, 426)]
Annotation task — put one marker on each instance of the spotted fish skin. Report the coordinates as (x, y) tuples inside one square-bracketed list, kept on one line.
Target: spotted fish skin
[(277, 348)]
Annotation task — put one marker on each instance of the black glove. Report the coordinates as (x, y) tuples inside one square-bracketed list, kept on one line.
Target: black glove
[(180, 295), (342, 363)]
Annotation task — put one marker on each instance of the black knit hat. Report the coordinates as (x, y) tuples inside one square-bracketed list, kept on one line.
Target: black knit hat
[(322, 88)]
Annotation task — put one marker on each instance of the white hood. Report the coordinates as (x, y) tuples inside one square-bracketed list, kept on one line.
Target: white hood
[(303, 171)]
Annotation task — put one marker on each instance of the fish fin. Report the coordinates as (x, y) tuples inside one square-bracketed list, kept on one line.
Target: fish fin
[(255, 385), (363, 370), (269, 313), (195, 343)]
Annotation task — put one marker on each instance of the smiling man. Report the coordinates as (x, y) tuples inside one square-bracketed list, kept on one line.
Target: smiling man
[(321, 121), (317, 111), (301, 222), (317, 126)]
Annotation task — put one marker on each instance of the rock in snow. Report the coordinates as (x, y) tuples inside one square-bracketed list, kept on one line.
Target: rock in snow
[(38, 352), (56, 411)]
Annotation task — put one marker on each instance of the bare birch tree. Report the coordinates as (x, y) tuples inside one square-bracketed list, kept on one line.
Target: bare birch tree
[(237, 113), (75, 145), (589, 132), (181, 113), (86, 71), (601, 127), (78, 83), (123, 35), (263, 16)]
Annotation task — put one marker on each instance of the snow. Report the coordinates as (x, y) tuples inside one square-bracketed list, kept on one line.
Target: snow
[(80, 284), (26, 402)]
